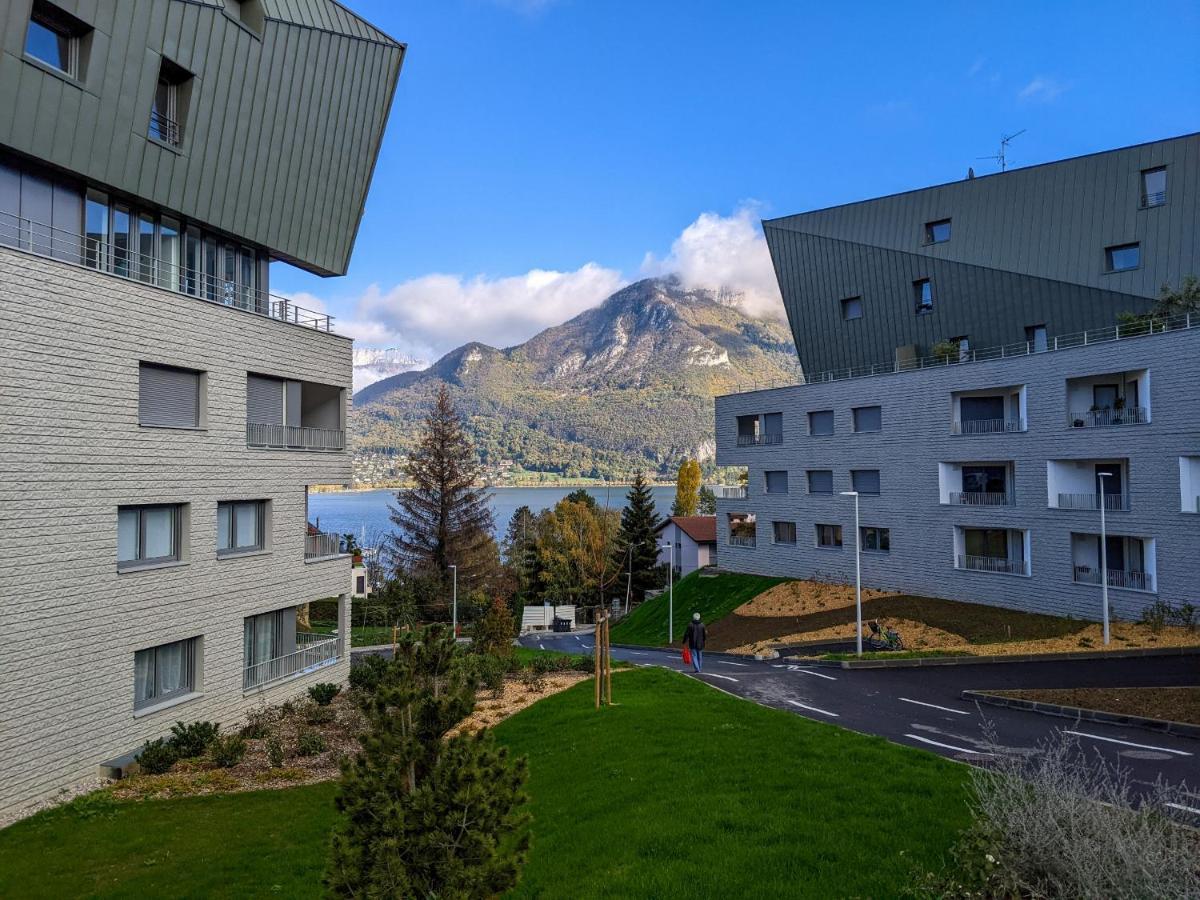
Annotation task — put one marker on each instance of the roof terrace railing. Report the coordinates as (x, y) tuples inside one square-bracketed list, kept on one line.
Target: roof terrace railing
[(105, 255), (1181, 322)]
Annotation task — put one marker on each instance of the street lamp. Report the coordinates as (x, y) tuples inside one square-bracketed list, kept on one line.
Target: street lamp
[(857, 572), (454, 607), (670, 591), (1100, 476)]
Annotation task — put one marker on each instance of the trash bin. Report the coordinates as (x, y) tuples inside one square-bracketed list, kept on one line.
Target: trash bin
[(562, 624)]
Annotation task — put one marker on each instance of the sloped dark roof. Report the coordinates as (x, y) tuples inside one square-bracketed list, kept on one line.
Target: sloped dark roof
[(701, 529)]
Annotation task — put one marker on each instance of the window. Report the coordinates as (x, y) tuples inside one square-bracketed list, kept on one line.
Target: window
[(990, 543), (53, 38), (1154, 187), (265, 637), (784, 532), (868, 418), (241, 526), (165, 672), (776, 482), (249, 13), (820, 422), (852, 308), (937, 232), (168, 397), (865, 481), (820, 481), (829, 536), (984, 480), (95, 227), (923, 295), (147, 535), (1123, 257), (878, 540), (1035, 336)]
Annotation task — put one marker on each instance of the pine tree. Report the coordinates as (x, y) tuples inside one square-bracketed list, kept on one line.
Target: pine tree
[(520, 552), (444, 518), (423, 815), (687, 489), (495, 631), (581, 495), (708, 502), (637, 539)]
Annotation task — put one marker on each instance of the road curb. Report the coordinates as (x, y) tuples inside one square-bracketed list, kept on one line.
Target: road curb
[(1010, 658), (1162, 726)]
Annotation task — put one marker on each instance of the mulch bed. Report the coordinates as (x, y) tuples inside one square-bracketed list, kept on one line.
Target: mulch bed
[(1171, 704)]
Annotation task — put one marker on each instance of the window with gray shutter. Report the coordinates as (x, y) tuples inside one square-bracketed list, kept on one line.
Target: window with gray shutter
[(820, 481), (868, 418), (777, 482), (264, 400), (865, 481), (820, 422), (168, 397)]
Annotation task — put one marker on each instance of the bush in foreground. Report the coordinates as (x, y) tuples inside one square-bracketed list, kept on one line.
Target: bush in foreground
[(227, 750), (157, 757), (190, 741), (323, 693)]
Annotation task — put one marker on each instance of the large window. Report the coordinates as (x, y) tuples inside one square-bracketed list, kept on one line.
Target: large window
[(53, 38), (865, 481), (1122, 257), (937, 232), (784, 532), (868, 418), (168, 397), (820, 422), (878, 540), (148, 535), (829, 536), (820, 481), (1154, 186), (241, 526), (923, 296), (990, 543), (776, 482), (165, 672)]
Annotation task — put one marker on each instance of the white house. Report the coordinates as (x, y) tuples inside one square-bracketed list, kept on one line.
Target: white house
[(694, 539)]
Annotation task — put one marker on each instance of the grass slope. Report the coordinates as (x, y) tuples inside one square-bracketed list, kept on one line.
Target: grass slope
[(678, 791), (714, 597)]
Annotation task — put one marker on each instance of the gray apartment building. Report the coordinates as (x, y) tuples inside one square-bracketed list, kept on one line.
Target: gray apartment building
[(162, 413), (968, 376)]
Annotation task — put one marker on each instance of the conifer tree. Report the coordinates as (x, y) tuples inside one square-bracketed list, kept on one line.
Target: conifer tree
[(520, 552), (708, 502), (687, 489), (420, 814), (637, 539)]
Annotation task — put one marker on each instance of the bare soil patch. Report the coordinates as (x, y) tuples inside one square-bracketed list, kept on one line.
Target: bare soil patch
[(1172, 704), (800, 598)]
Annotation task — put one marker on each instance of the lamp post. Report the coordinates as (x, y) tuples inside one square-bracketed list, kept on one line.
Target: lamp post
[(857, 573), (670, 591), (454, 604), (1100, 476)]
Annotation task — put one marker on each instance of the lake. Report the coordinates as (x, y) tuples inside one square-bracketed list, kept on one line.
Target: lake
[(366, 513)]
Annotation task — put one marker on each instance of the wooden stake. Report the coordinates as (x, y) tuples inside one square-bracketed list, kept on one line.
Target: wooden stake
[(608, 659), (597, 653), (395, 641)]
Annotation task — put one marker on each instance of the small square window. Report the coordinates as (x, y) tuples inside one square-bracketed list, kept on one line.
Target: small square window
[(878, 540), (829, 536), (776, 482), (868, 418), (852, 308), (820, 481), (148, 535), (53, 38), (1123, 257), (784, 532), (241, 527), (1154, 187), (937, 232), (923, 296), (820, 422), (865, 481), (164, 673)]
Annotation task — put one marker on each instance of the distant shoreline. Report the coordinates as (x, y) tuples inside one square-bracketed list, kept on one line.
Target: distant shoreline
[(338, 489)]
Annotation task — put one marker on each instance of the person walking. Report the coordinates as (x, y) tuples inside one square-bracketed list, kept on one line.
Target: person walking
[(693, 638)]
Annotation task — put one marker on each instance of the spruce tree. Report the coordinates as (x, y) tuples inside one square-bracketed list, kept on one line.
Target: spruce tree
[(420, 814), (444, 518), (708, 502), (637, 539), (520, 552), (581, 495)]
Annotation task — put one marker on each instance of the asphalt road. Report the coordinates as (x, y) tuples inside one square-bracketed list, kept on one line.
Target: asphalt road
[(922, 707)]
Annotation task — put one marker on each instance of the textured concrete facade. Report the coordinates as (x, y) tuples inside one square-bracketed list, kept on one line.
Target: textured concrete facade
[(916, 442), (72, 451)]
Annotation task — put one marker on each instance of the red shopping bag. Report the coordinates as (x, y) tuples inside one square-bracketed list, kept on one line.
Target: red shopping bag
[(687, 656)]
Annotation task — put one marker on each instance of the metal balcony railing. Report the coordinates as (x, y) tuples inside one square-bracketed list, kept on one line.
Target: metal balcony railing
[(980, 498), (742, 540), (322, 546), (729, 492), (759, 440), (1102, 418), (1158, 198), (165, 129), (294, 437), (999, 565), (986, 426), (1112, 502), (104, 255), (313, 651), (1118, 578)]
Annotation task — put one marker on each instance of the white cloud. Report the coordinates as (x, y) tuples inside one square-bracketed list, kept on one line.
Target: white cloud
[(1042, 89), (977, 66), (724, 251)]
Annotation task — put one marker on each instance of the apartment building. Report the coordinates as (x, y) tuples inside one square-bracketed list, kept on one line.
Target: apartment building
[(162, 413), (979, 395)]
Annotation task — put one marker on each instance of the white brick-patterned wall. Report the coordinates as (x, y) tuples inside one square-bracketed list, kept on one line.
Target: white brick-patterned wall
[(71, 452)]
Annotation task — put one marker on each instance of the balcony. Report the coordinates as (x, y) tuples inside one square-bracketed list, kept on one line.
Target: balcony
[(158, 271), (313, 651), (998, 410), (986, 426), (995, 564), (1088, 484), (1130, 562), (1112, 502), (1109, 400), (294, 437), (743, 540), (759, 440), (977, 483), (760, 430), (729, 492), (1117, 578), (980, 498), (1103, 418), (319, 545)]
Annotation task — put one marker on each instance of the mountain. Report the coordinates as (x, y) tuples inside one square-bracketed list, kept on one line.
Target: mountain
[(628, 384), (372, 365)]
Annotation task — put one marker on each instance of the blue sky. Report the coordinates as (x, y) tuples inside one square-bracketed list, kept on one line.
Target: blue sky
[(538, 150)]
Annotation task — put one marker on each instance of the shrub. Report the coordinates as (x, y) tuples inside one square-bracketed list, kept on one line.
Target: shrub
[(494, 632), (310, 743), (1155, 615), (585, 663), (157, 757), (366, 674), (1186, 615), (544, 665), (324, 692), (258, 725), (275, 755), (533, 680), (192, 740), (227, 750), (491, 670), (316, 714)]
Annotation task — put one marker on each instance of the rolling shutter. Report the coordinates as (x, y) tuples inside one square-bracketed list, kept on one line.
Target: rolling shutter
[(168, 397), (264, 400)]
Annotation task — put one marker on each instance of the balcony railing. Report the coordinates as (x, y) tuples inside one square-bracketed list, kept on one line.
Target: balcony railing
[(164, 128), (1102, 418), (997, 564), (729, 492), (986, 426), (1112, 502), (103, 255), (1158, 198), (1118, 578), (980, 498), (742, 540), (313, 651), (759, 440), (294, 437), (322, 546)]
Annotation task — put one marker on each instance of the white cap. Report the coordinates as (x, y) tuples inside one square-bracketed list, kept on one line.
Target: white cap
[(695, 617)]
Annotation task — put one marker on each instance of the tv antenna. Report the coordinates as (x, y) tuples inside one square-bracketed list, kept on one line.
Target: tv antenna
[(1002, 156)]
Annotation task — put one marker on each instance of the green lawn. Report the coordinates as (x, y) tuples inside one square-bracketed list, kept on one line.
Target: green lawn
[(713, 597), (678, 791)]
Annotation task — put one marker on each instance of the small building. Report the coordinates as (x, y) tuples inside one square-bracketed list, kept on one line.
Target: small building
[(695, 542)]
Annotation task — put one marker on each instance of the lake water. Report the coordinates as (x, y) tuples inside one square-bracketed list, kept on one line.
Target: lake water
[(366, 513)]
